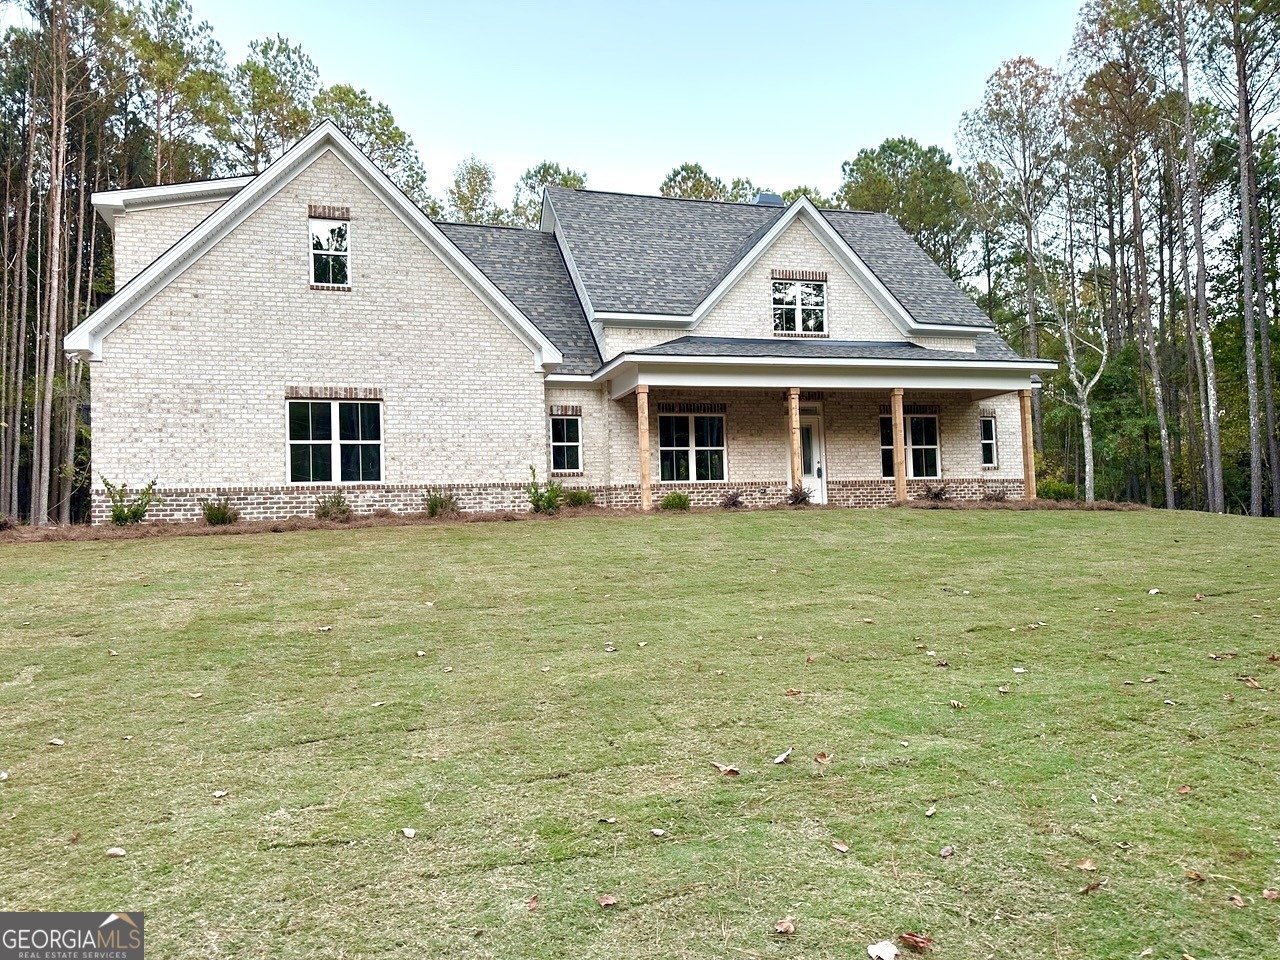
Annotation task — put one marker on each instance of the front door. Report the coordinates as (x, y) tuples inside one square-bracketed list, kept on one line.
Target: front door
[(813, 460)]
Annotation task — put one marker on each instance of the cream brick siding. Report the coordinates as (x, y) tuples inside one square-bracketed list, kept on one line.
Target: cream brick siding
[(747, 309), (140, 236), (962, 344), (191, 389)]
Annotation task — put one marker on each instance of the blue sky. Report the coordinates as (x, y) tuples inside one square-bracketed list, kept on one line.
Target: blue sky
[(779, 92)]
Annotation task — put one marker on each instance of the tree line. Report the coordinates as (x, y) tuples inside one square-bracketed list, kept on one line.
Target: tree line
[(1116, 215)]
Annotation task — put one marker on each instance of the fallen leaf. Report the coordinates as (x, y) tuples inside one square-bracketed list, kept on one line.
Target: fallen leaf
[(422, 653), (1128, 683), (823, 758), (790, 693), (195, 695), (884, 950), (448, 669), (840, 845), (1195, 875), (1149, 679), (1271, 894), (931, 811), (429, 603), (1087, 864), (1222, 656), (1089, 888), (112, 653), (786, 926), (1093, 797), (809, 660), (219, 794), (74, 838), (324, 629), (916, 941), (1236, 899), (608, 900), (532, 903), (1198, 597), (1002, 689), (115, 852), (1019, 669), (1229, 697), (4, 775), (946, 851), (658, 832), (727, 771), (642, 643), (784, 756), (610, 648), (607, 820), (1273, 657), (1170, 703), (1124, 844), (1251, 683), (409, 832), (55, 742), (867, 620), (957, 705), (1184, 789), (1153, 591), (942, 663)]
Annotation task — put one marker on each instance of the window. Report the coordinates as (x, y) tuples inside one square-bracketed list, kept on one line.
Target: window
[(330, 252), (566, 444), (988, 434), (922, 447), (313, 448), (691, 448), (799, 306)]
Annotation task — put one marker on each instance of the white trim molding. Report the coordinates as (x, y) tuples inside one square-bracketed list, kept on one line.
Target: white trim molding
[(114, 203), (86, 339)]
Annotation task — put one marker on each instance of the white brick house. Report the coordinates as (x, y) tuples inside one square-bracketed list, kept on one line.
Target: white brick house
[(273, 338)]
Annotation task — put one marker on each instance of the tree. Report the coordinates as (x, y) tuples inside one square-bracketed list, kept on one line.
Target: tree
[(471, 196), (273, 90), (371, 127), (816, 196), (526, 208), (690, 181), (917, 187)]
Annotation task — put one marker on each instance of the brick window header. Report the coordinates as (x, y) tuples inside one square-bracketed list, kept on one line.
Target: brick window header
[(327, 211), (333, 393), (914, 409), (811, 276), (564, 410), (693, 408)]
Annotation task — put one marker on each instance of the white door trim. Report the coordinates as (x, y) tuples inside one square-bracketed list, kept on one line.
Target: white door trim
[(816, 484)]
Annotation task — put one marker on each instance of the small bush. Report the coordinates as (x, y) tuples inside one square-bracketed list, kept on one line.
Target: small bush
[(543, 499), (334, 507), (995, 495), (219, 513), (127, 510), (1057, 490), (936, 494), (731, 500), (799, 495), (674, 501), (579, 498), (440, 503), (7, 522)]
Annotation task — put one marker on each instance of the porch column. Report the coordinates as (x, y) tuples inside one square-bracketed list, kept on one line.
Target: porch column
[(1028, 448), (899, 446), (642, 421), (793, 420)]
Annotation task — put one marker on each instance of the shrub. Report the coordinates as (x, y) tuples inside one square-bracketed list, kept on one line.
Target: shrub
[(7, 522), (440, 503), (579, 498), (127, 510), (675, 501), (1050, 489), (936, 494), (219, 513), (543, 499), (334, 507), (731, 500), (995, 495), (799, 495)]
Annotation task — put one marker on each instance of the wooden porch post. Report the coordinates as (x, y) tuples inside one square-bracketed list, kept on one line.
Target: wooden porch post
[(793, 420), (1028, 449), (642, 422), (899, 446)]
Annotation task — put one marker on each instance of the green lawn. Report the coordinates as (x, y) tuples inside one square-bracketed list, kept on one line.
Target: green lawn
[(540, 763)]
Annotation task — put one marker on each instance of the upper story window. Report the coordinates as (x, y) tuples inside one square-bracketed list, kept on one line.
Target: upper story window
[(799, 306), (315, 447), (330, 253)]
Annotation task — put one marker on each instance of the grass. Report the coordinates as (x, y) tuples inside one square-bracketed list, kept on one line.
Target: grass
[(329, 741)]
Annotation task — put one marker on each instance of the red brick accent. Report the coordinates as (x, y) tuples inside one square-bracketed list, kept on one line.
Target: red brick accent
[(810, 276), (328, 211), (333, 393)]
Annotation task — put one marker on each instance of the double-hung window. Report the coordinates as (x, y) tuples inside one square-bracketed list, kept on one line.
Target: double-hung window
[(988, 441), (566, 444), (315, 447), (330, 253), (799, 306), (923, 462), (691, 447)]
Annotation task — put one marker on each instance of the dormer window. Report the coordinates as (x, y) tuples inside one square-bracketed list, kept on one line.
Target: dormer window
[(799, 303), (330, 253)]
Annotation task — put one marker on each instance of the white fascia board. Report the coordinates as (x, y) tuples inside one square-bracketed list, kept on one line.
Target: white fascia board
[(113, 203), (86, 339), (614, 318), (550, 219), (569, 378), (1021, 366)]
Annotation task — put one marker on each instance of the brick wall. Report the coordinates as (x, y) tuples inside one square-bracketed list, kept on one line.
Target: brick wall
[(191, 389), (140, 236)]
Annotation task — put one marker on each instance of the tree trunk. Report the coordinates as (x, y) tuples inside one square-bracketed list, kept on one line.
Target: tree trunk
[(1033, 332), (1264, 332)]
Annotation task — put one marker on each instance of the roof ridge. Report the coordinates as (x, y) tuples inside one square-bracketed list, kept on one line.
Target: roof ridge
[(658, 196), (486, 226)]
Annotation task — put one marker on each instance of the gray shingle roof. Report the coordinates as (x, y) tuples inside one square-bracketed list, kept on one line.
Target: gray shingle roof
[(989, 348), (526, 266), (640, 254)]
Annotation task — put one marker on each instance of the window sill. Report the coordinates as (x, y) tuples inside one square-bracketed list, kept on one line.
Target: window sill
[(991, 466), (791, 335), (690, 483), (338, 287), (568, 473)]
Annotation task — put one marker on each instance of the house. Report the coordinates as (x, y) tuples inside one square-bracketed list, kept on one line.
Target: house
[(275, 338)]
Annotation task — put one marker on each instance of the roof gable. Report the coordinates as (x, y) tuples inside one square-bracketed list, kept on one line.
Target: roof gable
[(86, 339)]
